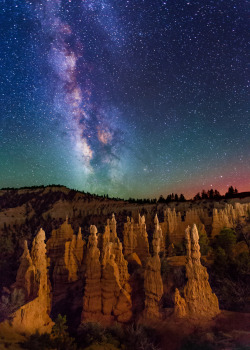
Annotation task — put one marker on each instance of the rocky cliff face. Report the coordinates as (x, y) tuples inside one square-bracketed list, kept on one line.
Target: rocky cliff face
[(199, 301), (174, 224), (230, 216)]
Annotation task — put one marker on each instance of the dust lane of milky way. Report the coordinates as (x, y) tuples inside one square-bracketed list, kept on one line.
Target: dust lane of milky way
[(130, 98)]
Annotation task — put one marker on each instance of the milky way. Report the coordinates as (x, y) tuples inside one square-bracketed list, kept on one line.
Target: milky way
[(130, 98)]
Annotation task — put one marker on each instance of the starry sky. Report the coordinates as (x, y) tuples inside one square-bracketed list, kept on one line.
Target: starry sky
[(134, 98)]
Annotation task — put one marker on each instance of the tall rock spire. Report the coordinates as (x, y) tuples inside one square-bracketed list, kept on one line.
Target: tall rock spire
[(92, 304), (153, 285), (199, 301), (32, 279)]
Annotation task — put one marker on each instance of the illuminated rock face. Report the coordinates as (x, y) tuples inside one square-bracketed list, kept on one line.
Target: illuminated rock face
[(107, 291), (220, 220), (116, 298), (92, 300), (32, 279), (25, 278), (158, 240), (153, 285), (56, 243), (65, 251), (174, 224), (129, 237), (199, 301)]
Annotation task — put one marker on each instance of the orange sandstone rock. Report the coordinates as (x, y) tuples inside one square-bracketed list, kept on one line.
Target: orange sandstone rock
[(65, 251), (34, 314), (92, 300), (116, 298), (135, 238), (25, 278)]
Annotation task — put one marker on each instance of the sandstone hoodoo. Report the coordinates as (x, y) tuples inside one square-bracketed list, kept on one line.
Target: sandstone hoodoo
[(65, 250), (116, 298), (107, 291), (92, 300), (153, 285), (199, 301), (32, 281), (135, 238)]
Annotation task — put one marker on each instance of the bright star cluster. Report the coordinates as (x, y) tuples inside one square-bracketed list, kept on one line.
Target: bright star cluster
[(134, 98)]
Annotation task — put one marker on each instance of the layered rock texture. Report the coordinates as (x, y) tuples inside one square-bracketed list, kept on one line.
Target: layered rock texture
[(32, 282), (199, 301), (174, 224)]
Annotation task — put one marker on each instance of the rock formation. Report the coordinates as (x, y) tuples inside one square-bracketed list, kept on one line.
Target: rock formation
[(142, 248), (65, 251), (25, 278), (220, 220), (198, 301), (153, 285), (129, 238), (174, 223), (116, 298), (112, 224), (171, 226), (158, 239), (32, 279), (135, 238), (104, 239), (92, 300), (55, 245), (230, 216), (107, 291)]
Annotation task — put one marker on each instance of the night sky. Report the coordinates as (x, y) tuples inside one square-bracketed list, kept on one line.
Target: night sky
[(134, 98)]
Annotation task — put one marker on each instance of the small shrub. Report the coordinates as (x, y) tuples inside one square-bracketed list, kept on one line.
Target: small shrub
[(38, 342), (60, 336), (225, 240), (91, 332), (140, 337), (115, 334)]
